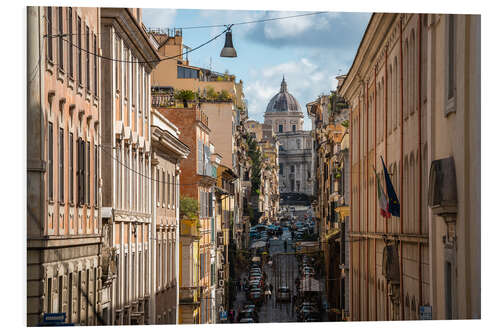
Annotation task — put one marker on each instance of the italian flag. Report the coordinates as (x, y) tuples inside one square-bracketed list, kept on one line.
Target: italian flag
[(382, 199)]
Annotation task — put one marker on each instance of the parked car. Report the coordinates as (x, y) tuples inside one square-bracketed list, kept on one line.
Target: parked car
[(249, 313), (247, 321), (284, 294)]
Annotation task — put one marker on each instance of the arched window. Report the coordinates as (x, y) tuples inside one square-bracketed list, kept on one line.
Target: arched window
[(405, 80), (389, 101), (396, 98)]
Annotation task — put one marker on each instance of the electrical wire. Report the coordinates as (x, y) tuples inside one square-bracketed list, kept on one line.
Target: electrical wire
[(228, 28), (250, 22), (101, 147), (145, 61)]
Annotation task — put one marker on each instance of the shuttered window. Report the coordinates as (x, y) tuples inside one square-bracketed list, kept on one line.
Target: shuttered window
[(81, 171), (200, 157), (50, 161), (61, 165)]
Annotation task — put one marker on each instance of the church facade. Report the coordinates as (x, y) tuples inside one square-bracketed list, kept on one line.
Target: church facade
[(284, 114)]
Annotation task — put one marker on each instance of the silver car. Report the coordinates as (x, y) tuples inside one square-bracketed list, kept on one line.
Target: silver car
[(283, 294)]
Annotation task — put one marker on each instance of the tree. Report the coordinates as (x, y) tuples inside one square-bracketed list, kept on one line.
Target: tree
[(188, 208), (256, 158)]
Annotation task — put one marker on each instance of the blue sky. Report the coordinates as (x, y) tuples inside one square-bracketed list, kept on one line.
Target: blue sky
[(310, 50)]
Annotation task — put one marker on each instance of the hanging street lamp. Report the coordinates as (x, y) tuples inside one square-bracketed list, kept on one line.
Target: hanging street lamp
[(228, 51)]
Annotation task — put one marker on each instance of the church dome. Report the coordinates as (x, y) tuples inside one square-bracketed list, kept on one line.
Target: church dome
[(283, 101)]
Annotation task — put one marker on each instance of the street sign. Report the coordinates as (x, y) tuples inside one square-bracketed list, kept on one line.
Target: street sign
[(55, 319), (426, 312)]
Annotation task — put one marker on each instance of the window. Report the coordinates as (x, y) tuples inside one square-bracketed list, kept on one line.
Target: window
[(292, 168), (79, 49), (186, 73), (95, 66), (125, 283), (60, 294), (163, 188), (298, 185), (451, 55), (168, 189), (61, 165), (71, 169), (60, 48), (158, 186), (280, 128), (50, 54), (88, 173), (281, 168), (96, 175), (298, 142), (200, 157), (87, 58), (448, 292), (294, 127), (51, 161), (70, 37), (81, 171), (127, 65), (117, 63)]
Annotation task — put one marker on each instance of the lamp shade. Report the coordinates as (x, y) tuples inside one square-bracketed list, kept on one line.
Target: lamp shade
[(228, 51)]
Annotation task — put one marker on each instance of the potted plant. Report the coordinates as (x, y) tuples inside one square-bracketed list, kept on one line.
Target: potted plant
[(185, 96)]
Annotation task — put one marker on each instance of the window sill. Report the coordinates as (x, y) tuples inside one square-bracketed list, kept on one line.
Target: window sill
[(50, 66), (60, 75), (451, 107)]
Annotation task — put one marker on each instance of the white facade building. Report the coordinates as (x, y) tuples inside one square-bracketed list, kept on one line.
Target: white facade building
[(285, 116)]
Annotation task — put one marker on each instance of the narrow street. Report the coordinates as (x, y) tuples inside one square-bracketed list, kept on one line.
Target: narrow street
[(281, 270)]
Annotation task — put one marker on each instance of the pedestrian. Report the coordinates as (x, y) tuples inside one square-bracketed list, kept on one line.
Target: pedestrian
[(270, 287), (231, 316)]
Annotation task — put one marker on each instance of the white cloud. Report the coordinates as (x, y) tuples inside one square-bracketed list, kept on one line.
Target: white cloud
[(294, 26)]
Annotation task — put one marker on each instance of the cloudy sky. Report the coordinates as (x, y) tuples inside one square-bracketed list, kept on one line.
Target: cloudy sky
[(310, 51)]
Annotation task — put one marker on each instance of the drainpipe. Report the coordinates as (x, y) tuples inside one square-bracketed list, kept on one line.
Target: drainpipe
[(375, 187), (351, 213), (385, 157), (419, 151), (359, 209), (401, 220), (366, 204)]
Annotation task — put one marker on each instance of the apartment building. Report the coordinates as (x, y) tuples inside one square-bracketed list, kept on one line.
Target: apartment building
[(63, 162), (167, 152), (197, 179), (414, 92), (126, 164)]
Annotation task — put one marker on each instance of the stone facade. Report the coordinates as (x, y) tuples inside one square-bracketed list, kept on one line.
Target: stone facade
[(285, 117), (126, 171), (63, 163), (414, 93)]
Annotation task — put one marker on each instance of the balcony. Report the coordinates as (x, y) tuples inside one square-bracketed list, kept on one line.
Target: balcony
[(189, 295)]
